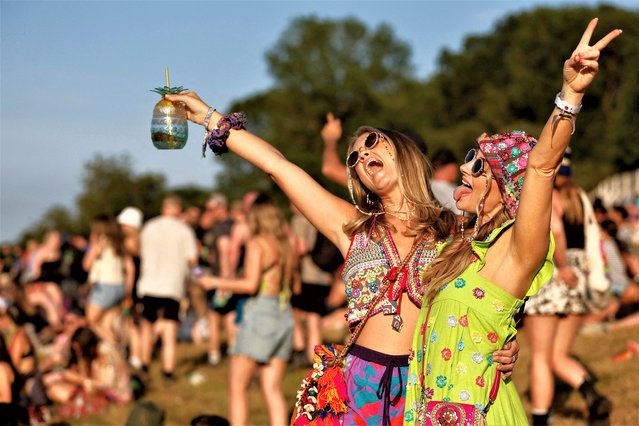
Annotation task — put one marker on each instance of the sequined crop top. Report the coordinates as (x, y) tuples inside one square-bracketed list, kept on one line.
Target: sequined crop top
[(365, 267)]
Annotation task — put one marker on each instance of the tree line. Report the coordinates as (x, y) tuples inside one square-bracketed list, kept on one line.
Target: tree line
[(505, 79)]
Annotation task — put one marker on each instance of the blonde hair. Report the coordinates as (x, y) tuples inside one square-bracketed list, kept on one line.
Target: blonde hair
[(570, 199), (456, 256), (415, 172), (267, 220)]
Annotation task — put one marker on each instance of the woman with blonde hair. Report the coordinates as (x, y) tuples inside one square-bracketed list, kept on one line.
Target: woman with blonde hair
[(111, 274), (387, 235), (264, 341), (482, 277)]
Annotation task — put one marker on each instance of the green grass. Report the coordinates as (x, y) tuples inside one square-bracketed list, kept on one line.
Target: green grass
[(182, 401)]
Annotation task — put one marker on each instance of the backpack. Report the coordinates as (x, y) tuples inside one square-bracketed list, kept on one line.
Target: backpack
[(325, 254)]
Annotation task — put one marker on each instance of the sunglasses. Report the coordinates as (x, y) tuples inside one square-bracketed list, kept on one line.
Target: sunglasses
[(369, 143), (478, 166)]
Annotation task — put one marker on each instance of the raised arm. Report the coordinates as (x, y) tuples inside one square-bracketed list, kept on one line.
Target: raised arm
[(96, 245), (332, 166), (530, 236), (324, 210)]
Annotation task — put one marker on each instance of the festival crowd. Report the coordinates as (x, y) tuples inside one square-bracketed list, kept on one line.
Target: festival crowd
[(430, 275)]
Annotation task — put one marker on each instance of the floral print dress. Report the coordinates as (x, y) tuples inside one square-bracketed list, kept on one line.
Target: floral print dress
[(451, 354)]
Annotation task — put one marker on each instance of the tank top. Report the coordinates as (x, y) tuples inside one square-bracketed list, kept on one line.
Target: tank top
[(575, 234), (51, 272), (108, 268)]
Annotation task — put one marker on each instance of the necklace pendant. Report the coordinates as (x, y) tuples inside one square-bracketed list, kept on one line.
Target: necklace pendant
[(397, 323)]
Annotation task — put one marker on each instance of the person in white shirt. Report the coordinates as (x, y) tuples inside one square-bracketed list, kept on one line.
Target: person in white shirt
[(168, 250)]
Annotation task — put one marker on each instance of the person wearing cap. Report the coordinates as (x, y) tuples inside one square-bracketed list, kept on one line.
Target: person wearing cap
[(482, 277), (130, 221)]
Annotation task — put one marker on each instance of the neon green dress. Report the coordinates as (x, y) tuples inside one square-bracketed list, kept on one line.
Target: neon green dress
[(470, 318)]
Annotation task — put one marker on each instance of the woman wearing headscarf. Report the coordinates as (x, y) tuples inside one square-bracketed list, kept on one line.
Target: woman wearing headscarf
[(481, 278)]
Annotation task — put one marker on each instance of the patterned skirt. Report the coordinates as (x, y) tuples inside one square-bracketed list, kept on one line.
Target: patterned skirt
[(556, 298)]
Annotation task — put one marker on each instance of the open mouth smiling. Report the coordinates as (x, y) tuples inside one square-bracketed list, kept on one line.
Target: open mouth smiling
[(373, 165)]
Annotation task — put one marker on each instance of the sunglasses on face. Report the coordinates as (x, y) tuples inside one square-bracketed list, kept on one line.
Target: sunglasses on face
[(369, 143), (477, 168)]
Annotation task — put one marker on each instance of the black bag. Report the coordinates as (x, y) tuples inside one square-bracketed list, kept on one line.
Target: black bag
[(325, 254)]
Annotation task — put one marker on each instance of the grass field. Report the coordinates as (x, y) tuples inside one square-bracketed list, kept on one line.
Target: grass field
[(183, 401)]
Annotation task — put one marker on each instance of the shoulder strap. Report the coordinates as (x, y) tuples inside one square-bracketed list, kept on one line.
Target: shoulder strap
[(390, 277)]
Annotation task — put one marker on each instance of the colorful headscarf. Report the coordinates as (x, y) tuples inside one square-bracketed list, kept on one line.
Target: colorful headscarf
[(507, 155)]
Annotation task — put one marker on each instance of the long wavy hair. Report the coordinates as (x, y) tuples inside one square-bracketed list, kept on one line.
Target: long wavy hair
[(570, 199), (457, 255), (428, 217), (107, 226), (266, 220)]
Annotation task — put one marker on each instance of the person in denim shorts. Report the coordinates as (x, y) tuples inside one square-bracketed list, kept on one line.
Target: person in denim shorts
[(265, 338)]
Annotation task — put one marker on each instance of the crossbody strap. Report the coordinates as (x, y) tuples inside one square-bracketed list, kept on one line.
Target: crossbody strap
[(381, 291), (493, 392)]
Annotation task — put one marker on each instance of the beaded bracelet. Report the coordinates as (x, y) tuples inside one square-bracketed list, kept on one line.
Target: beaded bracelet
[(216, 138), (207, 117)]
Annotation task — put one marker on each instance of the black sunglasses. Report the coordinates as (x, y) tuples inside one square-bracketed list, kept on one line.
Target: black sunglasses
[(369, 143), (478, 166)]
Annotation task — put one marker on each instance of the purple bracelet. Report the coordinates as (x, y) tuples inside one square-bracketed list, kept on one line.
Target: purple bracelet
[(216, 138)]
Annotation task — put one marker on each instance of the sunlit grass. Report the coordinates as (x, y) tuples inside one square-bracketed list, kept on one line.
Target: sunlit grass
[(183, 401)]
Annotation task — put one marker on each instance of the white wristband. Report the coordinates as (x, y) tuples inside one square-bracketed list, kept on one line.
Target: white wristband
[(565, 106)]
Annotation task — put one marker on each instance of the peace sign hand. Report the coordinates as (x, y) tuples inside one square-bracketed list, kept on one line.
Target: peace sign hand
[(582, 66)]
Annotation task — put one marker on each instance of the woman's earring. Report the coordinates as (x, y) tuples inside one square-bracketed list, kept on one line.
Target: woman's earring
[(368, 199), (462, 220)]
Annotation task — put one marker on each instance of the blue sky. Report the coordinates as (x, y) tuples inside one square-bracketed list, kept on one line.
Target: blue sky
[(75, 78)]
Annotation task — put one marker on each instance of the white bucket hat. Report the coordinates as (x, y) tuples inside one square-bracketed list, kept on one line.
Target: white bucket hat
[(131, 216)]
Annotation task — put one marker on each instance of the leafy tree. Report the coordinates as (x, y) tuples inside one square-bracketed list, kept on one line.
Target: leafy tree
[(109, 185), (498, 81), (508, 79), (56, 217), (320, 66), (505, 79), (191, 195)]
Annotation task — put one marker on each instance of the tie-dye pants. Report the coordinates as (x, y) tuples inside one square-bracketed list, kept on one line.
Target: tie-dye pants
[(376, 386)]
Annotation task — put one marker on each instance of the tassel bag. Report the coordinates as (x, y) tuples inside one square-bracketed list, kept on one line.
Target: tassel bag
[(446, 413), (322, 395)]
